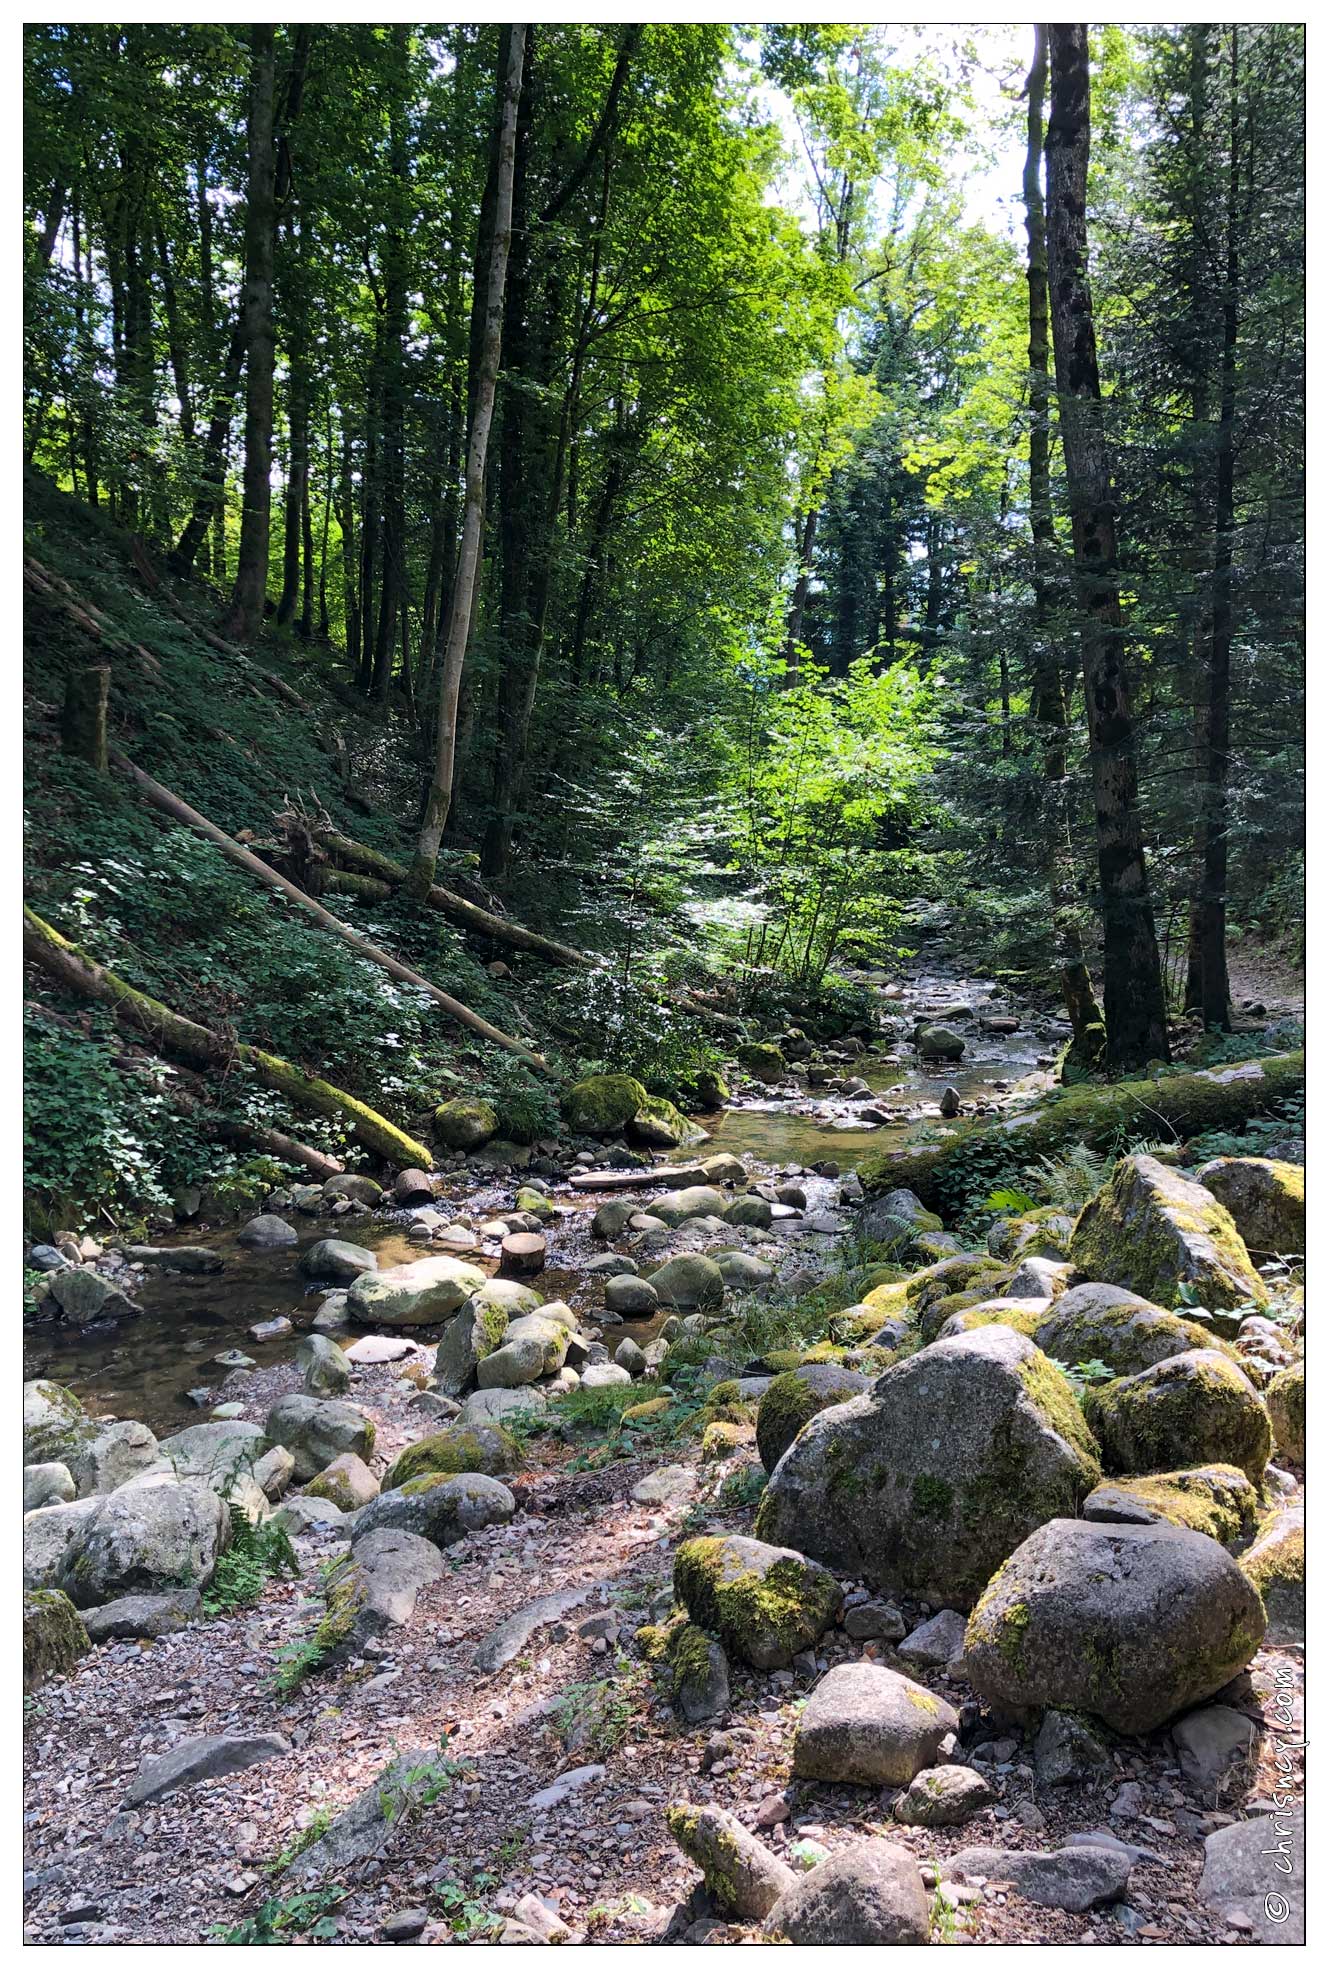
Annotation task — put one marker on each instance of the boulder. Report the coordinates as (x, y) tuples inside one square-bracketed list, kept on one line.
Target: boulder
[(46, 1483), (497, 1404), (605, 1374), (54, 1424), (197, 1759), (928, 1481), (1285, 1398), (118, 1451), (1071, 1749), (866, 1724), (423, 1293), (332, 1258), (1075, 1878), (948, 1795), (631, 1298), (742, 1272), (658, 1124), (54, 1637), (1216, 1748), (603, 1104), (753, 1211), (763, 1061), (939, 1043), (326, 1368), (794, 1398), (386, 1572), (144, 1616), (744, 1877), (698, 1200), (347, 1482), (1154, 1230), (354, 1188), (895, 1219), (937, 1642), (1276, 1567), (698, 1674), (765, 1602), (146, 1538), (48, 1533), (1106, 1323), (316, 1431), (1129, 1623), (268, 1233), (516, 1364), (475, 1333), (84, 1295), (1218, 1500), (216, 1452), (1196, 1407), (461, 1449), (867, 1894), (465, 1124), (1266, 1200), (690, 1282), (441, 1509), (1257, 1868)]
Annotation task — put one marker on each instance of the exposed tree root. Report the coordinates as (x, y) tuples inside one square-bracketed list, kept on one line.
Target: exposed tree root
[(173, 1033)]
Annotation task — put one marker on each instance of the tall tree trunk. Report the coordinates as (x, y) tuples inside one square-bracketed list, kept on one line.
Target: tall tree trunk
[(395, 280), (1133, 998), (1049, 681), (464, 589), (297, 414), (244, 617), (1214, 732)]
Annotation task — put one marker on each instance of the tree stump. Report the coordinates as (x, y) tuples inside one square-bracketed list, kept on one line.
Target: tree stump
[(83, 724)]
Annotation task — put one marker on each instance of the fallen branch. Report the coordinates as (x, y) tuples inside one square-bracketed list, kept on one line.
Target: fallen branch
[(1106, 1118), (171, 803), (368, 861), (172, 1032)]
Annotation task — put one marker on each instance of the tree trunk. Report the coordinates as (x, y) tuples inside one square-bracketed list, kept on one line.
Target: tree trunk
[(1134, 1005), (244, 618), (83, 723), (468, 560)]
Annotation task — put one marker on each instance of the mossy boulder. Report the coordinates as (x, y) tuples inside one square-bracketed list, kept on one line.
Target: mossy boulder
[(658, 1124), (348, 1482), (54, 1637), (763, 1060), (939, 1043), (1129, 1623), (691, 1282), (1107, 1323), (698, 1200), (1154, 1230), (721, 1440), (423, 1293), (1266, 1200), (1276, 1567), (925, 1483), (1021, 1315), (743, 1877), (794, 1398), (465, 1123), (458, 1450), (948, 1287), (711, 1089), (1193, 1408), (155, 1533), (1286, 1399), (1218, 1500), (603, 1104), (1044, 1233), (477, 1331), (765, 1602), (896, 1219), (55, 1427), (698, 1673), (440, 1508)]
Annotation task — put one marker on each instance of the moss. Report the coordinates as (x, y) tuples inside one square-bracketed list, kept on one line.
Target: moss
[(790, 1402), (1153, 1231), (1018, 1320), (656, 1638), (763, 1061), (725, 1404), (781, 1360), (722, 1439), (602, 1104), (1053, 1397), (1286, 1400), (491, 1327), (931, 1497), (54, 1637), (465, 1124), (343, 1598), (766, 1613), (453, 1452), (1127, 1339), (1220, 1501), (689, 1657), (1277, 1562), (647, 1411)]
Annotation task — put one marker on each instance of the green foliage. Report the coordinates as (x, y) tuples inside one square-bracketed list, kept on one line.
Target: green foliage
[(463, 1904), (283, 1918), (255, 1554), (596, 1716)]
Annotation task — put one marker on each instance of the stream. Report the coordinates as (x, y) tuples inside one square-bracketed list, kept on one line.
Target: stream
[(143, 1368)]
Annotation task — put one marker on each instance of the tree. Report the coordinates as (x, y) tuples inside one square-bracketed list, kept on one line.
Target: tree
[(249, 595), (1134, 1005)]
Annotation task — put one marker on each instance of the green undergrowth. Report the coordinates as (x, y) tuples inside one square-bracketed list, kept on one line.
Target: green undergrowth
[(256, 1554)]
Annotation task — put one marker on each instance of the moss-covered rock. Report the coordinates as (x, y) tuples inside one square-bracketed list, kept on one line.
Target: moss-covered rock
[(1266, 1200), (698, 1674), (939, 1043), (765, 1602), (423, 1293), (1276, 1567), (1021, 1315), (711, 1089), (458, 1450), (721, 1440), (1194, 1408), (1154, 1230), (440, 1508), (348, 1482), (896, 1220), (465, 1123), (1286, 1399), (55, 1428), (603, 1104), (1129, 1623), (1044, 1233), (691, 1282), (477, 1331), (763, 1061), (54, 1637), (928, 1481), (793, 1398), (1218, 1500), (743, 1877), (1106, 1323), (658, 1124)]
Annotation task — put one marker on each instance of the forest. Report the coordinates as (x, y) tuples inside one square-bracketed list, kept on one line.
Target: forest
[(663, 847)]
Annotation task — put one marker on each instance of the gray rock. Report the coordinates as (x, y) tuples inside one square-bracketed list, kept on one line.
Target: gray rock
[(326, 1368), (197, 1759), (874, 1620), (516, 1364), (423, 1293), (1216, 1748), (742, 1272), (144, 1616), (215, 1451), (629, 1355), (300, 1515), (145, 1538), (662, 1486), (605, 1374), (54, 1424), (364, 1829), (332, 1257), (496, 1404), (1196, 1407), (316, 1431), (690, 1282), (867, 1894), (632, 1297), (971, 1444), (564, 1787), (1258, 1868), (700, 1200), (360, 1189), (937, 1641), (700, 1677), (948, 1795), (273, 1472), (1130, 1623), (1075, 1878), (389, 1568), (477, 1331), (46, 1483), (744, 1877), (48, 1532), (441, 1509), (1070, 1749), (865, 1724), (83, 1295), (268, 1233), (765, 1602), (505, 1642)]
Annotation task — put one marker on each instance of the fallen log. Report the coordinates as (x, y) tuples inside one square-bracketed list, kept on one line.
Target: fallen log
[(172, 1032), (369, 861), (1101, 1117), (671, 1176), (171, 803)]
